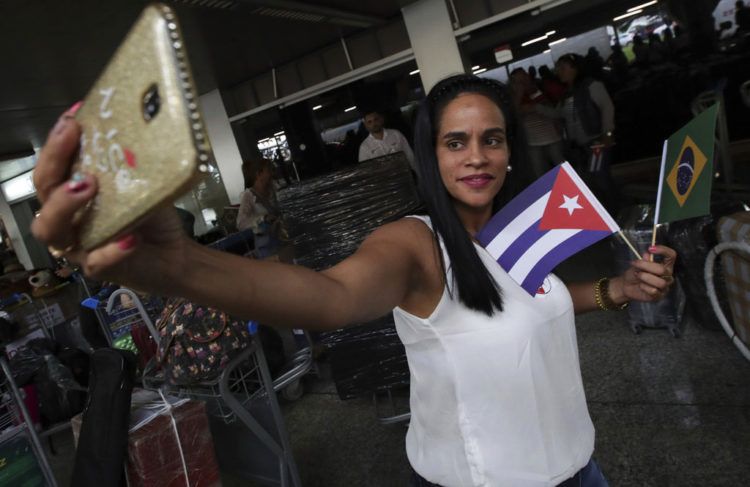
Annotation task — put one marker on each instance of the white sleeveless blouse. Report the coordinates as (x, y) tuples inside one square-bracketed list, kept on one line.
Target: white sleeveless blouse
[(496, 401)]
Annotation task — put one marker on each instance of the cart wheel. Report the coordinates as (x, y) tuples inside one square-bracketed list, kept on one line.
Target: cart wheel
[(293, 391), (675, 332), (637, 329)]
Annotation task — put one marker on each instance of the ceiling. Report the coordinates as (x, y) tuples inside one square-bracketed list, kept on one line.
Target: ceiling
[(53, 50)]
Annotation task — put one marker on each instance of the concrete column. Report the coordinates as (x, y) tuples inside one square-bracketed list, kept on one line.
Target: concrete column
[(16, 235), (224, 145), (431, 35)]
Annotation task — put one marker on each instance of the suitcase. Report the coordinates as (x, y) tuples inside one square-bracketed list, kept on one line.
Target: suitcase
[(637, 223), (693, 239)]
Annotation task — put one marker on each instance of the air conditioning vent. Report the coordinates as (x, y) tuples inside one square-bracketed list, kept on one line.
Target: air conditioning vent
[(289, 14), (217, 4)]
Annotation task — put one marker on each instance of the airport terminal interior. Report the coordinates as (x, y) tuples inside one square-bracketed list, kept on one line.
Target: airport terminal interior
[(298, 129)]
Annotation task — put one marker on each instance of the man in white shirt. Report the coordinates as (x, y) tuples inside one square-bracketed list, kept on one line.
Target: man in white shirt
[(382, 141)]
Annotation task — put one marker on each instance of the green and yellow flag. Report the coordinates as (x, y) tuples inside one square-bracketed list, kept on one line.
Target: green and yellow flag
[(687, 170)]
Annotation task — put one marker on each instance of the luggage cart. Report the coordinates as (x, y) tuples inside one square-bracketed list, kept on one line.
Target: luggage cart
[(117, 321), (17, 432), (708, 271), (243, 394), (23, 309)]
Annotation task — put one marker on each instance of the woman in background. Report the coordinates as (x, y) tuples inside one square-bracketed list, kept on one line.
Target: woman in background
[(259, 209), (589, 116)]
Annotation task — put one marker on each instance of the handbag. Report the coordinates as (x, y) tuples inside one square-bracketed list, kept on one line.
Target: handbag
[(197, 342)]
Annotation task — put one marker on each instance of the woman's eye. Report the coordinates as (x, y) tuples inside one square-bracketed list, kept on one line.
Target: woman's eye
[(454, 144), (494, 141)]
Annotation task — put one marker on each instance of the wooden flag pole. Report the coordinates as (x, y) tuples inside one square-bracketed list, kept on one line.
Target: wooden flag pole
[(657, 210), (625, 239), (653, 241)]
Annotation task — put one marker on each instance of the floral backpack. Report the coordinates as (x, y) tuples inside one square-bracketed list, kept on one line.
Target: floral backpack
[(197, 342)]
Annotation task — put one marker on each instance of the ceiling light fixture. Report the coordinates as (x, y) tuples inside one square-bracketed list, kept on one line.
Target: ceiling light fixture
[(532, 41), (479, 71), (317, 107), (557, 41), (642, 6), (350, 108), (634, 12), (412, 73)]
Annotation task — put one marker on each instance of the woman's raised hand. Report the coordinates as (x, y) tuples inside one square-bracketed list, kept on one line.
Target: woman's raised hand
[(650, 281), (145, 258)]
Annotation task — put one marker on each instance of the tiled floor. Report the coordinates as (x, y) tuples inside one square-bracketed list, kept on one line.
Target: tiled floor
[(667, 411)]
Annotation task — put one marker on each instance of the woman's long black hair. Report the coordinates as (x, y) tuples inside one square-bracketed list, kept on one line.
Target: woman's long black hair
[(577, 62), (476, 288)]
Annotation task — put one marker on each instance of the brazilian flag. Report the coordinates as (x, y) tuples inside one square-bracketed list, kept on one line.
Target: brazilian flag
[(687, 170)]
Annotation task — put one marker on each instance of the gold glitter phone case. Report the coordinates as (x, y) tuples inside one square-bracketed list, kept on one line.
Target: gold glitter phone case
[(142, 132)]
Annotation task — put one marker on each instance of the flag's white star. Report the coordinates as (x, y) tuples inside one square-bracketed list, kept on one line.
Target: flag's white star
[(571, 204)]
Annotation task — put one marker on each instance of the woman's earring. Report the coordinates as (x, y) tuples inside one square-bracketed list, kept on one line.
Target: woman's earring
[(509, 168)]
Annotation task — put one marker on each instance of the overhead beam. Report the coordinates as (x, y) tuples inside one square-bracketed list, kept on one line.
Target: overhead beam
[(341, 80), (318, 13), (541, 5)]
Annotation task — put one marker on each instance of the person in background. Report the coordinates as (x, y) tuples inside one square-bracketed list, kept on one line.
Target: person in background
[(618, 62), (259, 209), (589, 116), (532, 74), (640, 49), (544, 144), (681, 40), (742, 17), (496, 396), (594, 63), (657, 50), (550, 85), (382, 141)]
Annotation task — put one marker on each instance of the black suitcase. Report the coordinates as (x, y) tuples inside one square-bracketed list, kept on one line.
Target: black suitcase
[(637, 223)]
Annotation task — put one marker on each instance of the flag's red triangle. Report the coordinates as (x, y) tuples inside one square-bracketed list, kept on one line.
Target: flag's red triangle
[(569, 208)]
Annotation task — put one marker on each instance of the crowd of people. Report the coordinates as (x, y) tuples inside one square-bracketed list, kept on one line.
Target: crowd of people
[(568, 115)]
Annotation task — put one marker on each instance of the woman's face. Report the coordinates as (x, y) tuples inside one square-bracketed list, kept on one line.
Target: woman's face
[(472, 151), (265, 176), (566, 72)]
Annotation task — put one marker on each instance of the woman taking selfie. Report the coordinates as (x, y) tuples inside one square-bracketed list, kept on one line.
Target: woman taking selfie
[(496, 391)]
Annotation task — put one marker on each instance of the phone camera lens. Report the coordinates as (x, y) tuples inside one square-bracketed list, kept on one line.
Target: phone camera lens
[(151, 103)]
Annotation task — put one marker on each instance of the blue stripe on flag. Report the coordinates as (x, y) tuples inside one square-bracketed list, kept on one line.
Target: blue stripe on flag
[(521, 245), (510, 211), (561, 252)]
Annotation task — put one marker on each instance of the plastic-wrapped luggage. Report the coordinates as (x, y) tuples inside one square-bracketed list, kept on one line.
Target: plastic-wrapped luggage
[(693, 239), (327, 218), (637, 223)]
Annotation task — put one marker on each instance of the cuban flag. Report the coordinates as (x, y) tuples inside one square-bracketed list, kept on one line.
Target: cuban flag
[(549, 221)]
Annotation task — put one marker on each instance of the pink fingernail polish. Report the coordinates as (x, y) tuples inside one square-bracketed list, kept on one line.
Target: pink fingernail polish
[(127, 242), (77, 186), (72, 110), (653, 249)]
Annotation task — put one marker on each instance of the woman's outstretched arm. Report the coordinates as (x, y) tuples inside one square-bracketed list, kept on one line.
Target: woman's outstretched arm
[(157, 257)]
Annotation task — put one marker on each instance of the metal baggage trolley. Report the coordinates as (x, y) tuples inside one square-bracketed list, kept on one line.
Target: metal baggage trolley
[(245, 394), (17, 433)]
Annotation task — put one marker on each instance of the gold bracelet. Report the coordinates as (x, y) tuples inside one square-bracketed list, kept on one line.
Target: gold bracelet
[(601, 295)]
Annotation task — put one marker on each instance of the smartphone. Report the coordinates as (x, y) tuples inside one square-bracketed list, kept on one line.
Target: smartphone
[(143, 135)]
